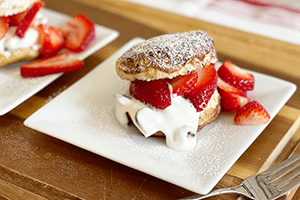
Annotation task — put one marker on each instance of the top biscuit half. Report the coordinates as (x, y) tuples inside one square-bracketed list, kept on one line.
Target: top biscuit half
[(167, 56)]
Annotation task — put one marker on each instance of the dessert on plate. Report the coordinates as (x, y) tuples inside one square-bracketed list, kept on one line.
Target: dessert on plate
[(18, 33), (172, 87), (25, 35)]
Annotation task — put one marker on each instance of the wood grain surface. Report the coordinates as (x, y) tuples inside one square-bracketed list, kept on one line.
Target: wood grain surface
[(36, 166)]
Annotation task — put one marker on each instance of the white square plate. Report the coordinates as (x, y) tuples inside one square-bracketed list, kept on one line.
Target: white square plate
[(83, 115), (14, 89)]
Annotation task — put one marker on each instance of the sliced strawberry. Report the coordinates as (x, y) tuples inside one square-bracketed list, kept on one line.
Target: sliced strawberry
[(43, 34), (79, 32), (51, 40), (252, 113), (204, 88), (4, 24), (229, 88), (184, 83), (236, 76), (28, 19), (232, 101), (16, 19), (155, 93), (57, 64)]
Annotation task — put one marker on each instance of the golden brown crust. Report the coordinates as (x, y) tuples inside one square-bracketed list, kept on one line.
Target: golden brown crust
[(211, 112), (167, 56), (18, 55), (9, 7)]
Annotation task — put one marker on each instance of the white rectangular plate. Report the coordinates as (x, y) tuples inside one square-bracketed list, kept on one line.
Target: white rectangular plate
[(14, 89), (83, 115)]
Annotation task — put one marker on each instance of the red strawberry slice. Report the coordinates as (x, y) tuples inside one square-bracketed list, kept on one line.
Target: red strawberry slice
[(43, 34), (232, 99), (16, 19), (252, 113), (236, 76), (4, 24), (79, 32), (184, 83), (57, 64), (51, 40), (28, 19), (155, 93), (204, 88), (229, 88)]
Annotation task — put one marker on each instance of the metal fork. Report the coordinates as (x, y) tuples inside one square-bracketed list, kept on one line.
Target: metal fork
[(266, 185)]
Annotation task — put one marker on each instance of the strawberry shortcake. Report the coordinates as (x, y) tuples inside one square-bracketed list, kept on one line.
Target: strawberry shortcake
[(18, 34), (173, 87), (25, 35)]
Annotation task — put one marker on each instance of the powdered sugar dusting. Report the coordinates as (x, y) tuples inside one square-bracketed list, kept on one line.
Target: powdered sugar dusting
[(13, 86), (168, 51), (204, 162), (83, 115)]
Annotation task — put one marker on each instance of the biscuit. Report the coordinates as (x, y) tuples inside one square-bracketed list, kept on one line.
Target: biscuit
[(167, 56), (18, 55), (211, 112)]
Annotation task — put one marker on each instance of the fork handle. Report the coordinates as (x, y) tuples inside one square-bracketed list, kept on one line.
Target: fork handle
[(240, 189)]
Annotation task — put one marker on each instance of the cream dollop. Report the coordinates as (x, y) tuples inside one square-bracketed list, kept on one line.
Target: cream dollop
[(10, 42), (179, 121)]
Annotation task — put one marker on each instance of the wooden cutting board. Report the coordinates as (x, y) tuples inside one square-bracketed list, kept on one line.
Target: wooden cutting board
[(36, 166), (31, 169)]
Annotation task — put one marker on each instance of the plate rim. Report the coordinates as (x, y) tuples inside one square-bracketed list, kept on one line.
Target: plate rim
[(292, 89), (114, 34)]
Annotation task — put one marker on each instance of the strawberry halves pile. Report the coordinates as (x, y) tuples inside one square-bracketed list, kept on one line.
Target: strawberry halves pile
[(74, 36), (197, 87), (233, 84)]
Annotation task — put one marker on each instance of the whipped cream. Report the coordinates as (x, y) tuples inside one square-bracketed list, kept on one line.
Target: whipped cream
[(10, 42), (40, 19), (179, 121)]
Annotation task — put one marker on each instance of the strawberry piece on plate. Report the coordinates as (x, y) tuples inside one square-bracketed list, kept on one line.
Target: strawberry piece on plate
[(28, 19), (204, 88), (253, 113), (236, 76), (16, 19), (232, 99), (51, 40), (155, 93), (184, 83), (78, 32), (43, 34), (229, 88), (56, 64), (4, 24)]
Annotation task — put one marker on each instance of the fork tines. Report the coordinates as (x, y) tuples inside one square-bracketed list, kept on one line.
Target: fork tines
[(284, 170)]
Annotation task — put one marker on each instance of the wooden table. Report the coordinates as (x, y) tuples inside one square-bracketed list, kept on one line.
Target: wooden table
[(36, 166)]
